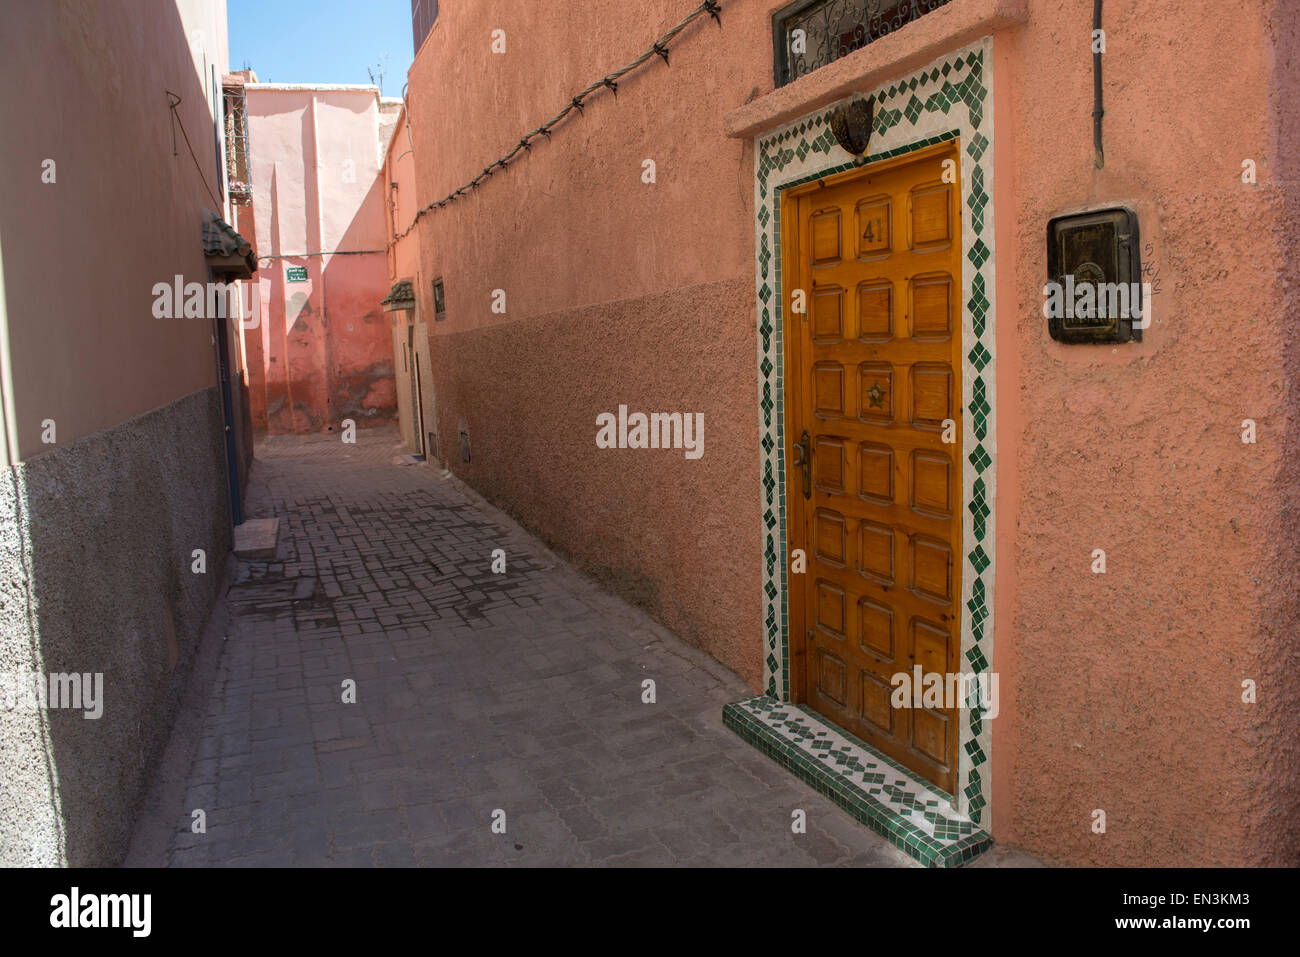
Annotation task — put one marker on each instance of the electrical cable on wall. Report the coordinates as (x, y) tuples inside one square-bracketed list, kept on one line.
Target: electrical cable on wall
[(335, 252), (1099, 155), (659, 49), (174, 101)]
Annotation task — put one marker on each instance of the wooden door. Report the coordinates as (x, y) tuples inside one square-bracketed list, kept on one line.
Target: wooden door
[(874, 380)]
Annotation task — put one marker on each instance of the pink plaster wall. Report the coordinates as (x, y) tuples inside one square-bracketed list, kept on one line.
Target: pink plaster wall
[(324, 343), (1126, 687), (1121, 691), (81, 254), (401, 204)]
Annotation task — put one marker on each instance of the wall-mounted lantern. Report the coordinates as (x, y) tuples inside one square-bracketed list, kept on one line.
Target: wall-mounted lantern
[(851, 125)]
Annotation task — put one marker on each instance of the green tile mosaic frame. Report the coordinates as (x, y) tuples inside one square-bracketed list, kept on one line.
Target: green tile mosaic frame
[(949, 98), (878, 792)]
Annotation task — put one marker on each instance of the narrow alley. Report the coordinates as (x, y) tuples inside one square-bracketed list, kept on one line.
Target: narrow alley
[(475, 692), (686, 434)]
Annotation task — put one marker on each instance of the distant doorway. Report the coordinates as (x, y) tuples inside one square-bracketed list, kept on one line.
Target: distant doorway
[(417, 409)]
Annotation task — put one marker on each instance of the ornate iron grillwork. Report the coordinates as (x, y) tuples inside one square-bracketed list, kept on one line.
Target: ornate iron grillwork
[(835, 28), (237, 157)]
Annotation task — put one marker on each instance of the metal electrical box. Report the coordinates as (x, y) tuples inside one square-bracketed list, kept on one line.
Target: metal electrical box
[(1102, 250)]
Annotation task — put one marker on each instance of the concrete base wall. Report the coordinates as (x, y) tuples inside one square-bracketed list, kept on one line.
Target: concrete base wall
[(96, 543)]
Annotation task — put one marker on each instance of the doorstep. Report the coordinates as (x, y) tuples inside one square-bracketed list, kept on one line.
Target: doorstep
[(880, 793)]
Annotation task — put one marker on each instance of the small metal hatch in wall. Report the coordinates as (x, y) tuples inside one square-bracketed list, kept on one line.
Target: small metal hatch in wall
[(1094, 273)]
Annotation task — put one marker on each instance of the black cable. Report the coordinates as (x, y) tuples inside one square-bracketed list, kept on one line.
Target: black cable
[(1098, 112), (610, 82)]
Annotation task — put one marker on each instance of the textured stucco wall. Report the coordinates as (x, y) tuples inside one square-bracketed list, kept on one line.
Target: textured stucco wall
[(1127, 685), (617, 292), (402, 377), (96, 529), (96, 539), (1120, 692), (674, 536), (324, 349), (1275, 799)]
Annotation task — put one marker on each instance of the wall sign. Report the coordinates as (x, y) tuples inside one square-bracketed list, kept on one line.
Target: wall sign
[(295, 274)]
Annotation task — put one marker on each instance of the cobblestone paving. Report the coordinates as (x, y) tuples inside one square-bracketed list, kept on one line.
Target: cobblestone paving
[(474, 692)]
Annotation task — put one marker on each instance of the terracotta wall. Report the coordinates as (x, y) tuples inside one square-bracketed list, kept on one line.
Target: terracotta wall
[(1127, 686), (1119, 691), (324, 353), (617, 292)]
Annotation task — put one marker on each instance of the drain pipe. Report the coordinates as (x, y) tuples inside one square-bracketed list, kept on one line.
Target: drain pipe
[(1099, 160)]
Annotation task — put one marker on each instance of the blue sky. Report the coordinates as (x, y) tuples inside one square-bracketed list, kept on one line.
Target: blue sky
[(321, 41)]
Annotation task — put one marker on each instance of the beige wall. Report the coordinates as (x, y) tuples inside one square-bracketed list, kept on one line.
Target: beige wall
[(399, 180), (98, 530), (82, 254)]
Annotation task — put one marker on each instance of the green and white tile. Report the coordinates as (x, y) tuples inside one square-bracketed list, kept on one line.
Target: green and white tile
[(878, 792), (949, 98)]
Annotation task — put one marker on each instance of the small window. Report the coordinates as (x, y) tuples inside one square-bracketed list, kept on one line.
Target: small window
[(830, 29), (423, 13), (439, 301)]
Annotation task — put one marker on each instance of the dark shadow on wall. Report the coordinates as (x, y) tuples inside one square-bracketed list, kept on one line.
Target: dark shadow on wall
[(102, 535)]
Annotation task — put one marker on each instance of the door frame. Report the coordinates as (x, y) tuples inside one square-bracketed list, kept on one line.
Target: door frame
[(950, 98), (793, 250)]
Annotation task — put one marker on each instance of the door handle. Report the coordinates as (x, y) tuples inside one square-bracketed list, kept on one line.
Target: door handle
[(803, 460)]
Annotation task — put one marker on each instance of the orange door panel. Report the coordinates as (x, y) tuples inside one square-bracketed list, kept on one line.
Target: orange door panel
[(874, 380)]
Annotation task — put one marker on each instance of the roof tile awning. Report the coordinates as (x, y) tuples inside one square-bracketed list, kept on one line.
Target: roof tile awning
[(401, 296), (229, 254)]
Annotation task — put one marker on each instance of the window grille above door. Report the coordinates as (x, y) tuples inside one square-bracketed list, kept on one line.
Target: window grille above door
[(812, 33)]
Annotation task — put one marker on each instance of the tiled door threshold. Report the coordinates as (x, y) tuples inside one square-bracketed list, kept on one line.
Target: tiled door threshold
[(880, 793)]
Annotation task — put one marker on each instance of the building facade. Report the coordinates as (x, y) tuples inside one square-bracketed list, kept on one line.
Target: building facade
[(416, 402), (825, 232), (321, 355), (124, 445)]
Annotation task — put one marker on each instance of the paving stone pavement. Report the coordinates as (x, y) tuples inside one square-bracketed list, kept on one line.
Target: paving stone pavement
[(474, 692)]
